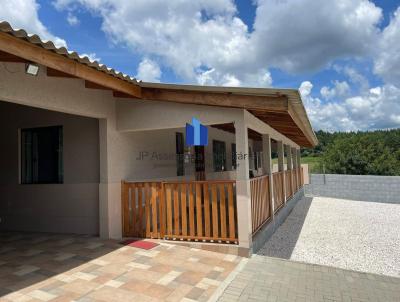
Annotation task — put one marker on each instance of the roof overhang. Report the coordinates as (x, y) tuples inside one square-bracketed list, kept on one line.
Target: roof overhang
[(282, 109)]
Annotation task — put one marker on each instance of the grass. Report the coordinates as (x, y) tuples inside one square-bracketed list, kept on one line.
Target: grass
[(312, 161)]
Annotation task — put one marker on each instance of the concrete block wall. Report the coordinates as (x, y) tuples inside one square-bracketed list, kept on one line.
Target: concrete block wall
[(355, 187)]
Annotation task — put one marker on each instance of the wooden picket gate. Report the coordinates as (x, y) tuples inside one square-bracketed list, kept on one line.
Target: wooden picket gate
[(184, 210)]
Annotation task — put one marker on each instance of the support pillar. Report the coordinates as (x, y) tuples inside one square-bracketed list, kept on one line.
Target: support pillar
[(243, 194), (289, 157), (294, 158), (281, 156), (281, 166), (267, 167), (110, 221)]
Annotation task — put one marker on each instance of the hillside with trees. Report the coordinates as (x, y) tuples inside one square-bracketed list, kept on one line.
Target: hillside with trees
[(361, 153)]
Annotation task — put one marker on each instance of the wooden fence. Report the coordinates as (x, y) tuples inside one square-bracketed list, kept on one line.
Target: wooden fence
[(260, 201), (186, 210), (278, 190), (289, 188)]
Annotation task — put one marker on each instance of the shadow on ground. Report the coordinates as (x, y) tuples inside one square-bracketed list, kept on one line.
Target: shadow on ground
[(29, 258), (284, 240)]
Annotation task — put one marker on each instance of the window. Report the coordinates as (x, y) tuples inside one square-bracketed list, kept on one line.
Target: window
[(234, 156), (219, 156), (42, 155), (180, 154)]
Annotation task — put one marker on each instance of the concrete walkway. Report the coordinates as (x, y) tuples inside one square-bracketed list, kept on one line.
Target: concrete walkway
[(271, 279)]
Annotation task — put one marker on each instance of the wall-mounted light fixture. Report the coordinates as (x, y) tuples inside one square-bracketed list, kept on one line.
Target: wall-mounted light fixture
[(32, 69)]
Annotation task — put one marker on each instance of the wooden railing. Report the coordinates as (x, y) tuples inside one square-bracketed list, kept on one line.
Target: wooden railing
[(185, 210), (288, 183), (278, 190), (260, 202)]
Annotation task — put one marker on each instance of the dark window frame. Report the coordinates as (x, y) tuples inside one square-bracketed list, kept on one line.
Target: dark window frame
[(234, 156), (180, 154), (219, 161), (33, 143)]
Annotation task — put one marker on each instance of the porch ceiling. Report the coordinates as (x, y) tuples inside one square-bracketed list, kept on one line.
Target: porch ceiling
[(282, 109)]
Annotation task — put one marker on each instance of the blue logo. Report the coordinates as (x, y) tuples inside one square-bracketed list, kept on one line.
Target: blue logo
[(196, 134)]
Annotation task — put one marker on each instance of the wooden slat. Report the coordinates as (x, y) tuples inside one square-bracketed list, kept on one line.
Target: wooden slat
[(134, 200), (191, 211), (162, 210), (199, 214), (176, 210), (147, 207), (222, 203), (231, 213), (125, 207), (184, 208), (140, 219), (154, 210), (169, 209), (206, 196), (214, 211)]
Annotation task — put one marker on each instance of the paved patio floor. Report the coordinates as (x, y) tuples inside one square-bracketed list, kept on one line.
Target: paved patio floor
[(271, 279), (45, 267)]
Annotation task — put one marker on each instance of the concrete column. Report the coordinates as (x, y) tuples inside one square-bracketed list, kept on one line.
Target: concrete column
[(243, 184), (299, 157), (266, 148), (294, 158), (281, 156), (289, 157), (267, 167), (110, 187)]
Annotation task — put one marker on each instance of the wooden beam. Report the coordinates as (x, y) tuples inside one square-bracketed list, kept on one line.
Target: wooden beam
[(58, 74), (272, 103), (91, 85), (118, 94), (37, 54), (7, 57)]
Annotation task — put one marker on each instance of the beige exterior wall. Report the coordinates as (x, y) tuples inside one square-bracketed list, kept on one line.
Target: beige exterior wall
[(71, 207)]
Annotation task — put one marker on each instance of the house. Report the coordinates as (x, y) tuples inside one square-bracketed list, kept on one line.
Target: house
[(86, 149)]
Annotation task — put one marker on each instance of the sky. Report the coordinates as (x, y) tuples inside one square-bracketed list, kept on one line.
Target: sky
[(343, 55)]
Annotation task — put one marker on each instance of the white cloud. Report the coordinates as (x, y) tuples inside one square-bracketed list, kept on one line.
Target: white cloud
[(376, 108), (24, 14), (387, 63), (339, 89), (305, 35), (262, 78), (92, 56), (72, 19), (206, 41), (188, 36), (149, 71)]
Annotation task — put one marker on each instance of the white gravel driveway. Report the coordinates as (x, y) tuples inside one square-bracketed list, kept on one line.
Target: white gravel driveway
[(356, 235)]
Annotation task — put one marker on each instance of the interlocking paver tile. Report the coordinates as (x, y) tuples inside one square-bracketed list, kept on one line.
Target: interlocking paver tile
[(37, 267), (273, 279)]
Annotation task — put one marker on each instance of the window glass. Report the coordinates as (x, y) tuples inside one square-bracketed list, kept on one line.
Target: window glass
[(42, 155)]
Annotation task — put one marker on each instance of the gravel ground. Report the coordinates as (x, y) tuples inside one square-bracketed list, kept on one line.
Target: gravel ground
[(355, 235)]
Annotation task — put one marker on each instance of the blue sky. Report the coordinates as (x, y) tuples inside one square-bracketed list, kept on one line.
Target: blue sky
[(343, 58)]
